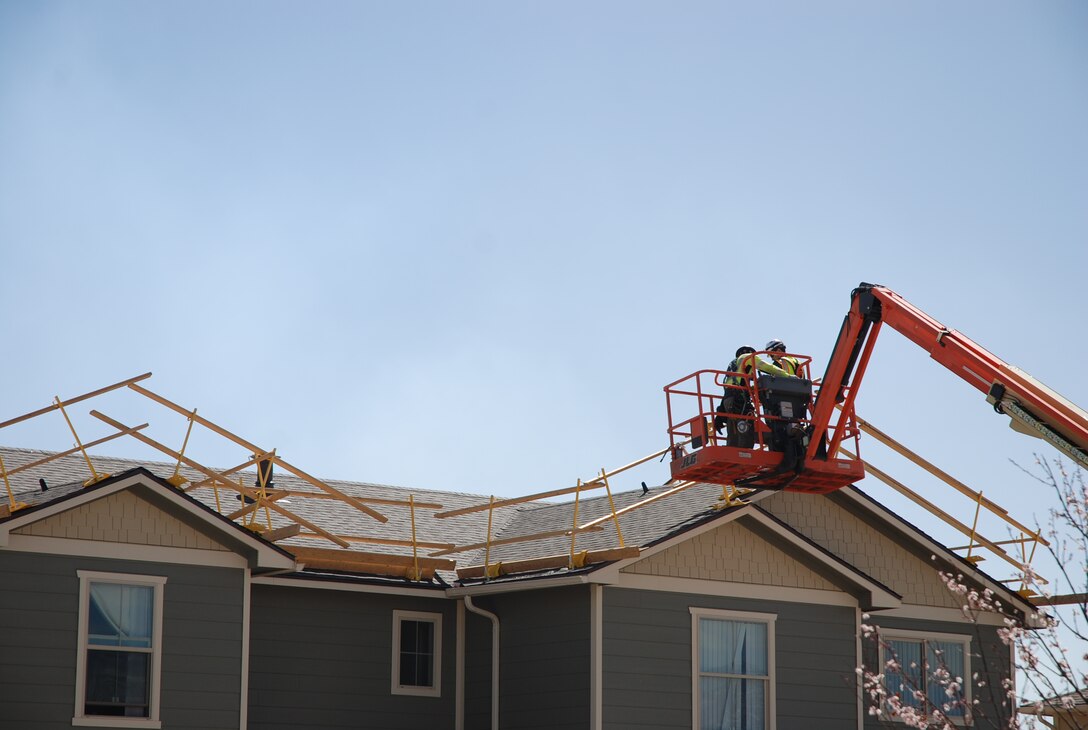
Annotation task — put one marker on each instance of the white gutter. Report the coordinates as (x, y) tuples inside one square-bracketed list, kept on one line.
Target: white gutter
[(494, 658)]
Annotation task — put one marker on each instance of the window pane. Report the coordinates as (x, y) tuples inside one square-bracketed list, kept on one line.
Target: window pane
[(417, 653), (909, 677), (120, 615), (117, 683), (944, 662), (732, 647), (732, 704)]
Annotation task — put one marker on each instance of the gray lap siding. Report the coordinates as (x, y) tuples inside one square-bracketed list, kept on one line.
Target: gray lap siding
[(39, 614), (323, 659), (647, 660), (545, 658)]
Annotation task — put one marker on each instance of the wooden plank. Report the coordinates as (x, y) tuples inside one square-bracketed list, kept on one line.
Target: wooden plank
[(551, 561), (324, 495), (310, 554), (254, 449), (1067, 599), (384, 541), (642, 503), (226, 472), (595, 483), (256, 504), (935, 510), (77, 399), (282, 533), (212, 473), (369, 500), (517, 539), (74, 449), (306, 523), (354, 566), (989, 504)]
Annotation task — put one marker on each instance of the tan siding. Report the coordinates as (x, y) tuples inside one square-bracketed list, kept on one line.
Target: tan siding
[(864, 547), (121, 517), (734, 554)]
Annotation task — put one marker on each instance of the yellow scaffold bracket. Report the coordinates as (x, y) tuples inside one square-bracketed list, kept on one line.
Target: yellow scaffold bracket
[(731, 497), (578, 560), (494, 570)]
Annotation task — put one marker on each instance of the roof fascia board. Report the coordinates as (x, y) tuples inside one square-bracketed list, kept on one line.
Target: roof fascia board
[(265, 555), (935, 613), (753, 591), (331, 585), (864, 502)]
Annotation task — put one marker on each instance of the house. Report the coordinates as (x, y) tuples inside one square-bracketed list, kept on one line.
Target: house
[(1068, 711), (134, 602)]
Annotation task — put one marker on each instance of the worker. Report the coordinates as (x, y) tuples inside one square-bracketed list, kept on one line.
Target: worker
[(740, 432), (791, 365)]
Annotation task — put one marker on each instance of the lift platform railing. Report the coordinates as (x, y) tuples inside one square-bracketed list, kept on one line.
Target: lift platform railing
[(692, 403)]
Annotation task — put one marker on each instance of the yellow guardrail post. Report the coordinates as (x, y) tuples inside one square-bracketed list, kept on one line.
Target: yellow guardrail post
[(574, 529), (413, 572), (95, 477), (12, 504), (615, 517), (177, 479)]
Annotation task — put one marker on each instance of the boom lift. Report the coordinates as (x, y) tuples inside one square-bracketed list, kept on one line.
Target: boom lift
[(797, 438)]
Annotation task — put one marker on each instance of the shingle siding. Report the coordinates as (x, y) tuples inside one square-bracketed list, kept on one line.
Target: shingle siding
[(731, 553), (871, 548), (648, 660), (39, 613), (121, 517)]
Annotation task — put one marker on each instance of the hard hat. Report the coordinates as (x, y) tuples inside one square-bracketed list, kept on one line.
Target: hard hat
[(744, 350), (775, 345)]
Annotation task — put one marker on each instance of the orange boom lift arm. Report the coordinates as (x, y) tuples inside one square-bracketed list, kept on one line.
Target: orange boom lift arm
[(808, 462)]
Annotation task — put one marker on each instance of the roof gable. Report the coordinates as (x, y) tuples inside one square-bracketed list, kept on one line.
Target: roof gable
[(732, 553), (126, 517), (137, 508)]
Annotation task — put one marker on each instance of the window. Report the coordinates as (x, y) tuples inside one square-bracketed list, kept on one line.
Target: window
[(733, 670), (120, 650), (929, 666), (417, 653)]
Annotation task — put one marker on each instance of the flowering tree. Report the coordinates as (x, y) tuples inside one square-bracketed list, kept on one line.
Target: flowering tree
[(926, 690)]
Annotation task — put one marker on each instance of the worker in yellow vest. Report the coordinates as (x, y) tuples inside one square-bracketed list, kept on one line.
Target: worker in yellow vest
[(738, 399), (791, 365)]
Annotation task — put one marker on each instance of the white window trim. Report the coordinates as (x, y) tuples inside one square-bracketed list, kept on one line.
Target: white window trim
[(395, 686), (79, 719), (914, 635), (714, 613)]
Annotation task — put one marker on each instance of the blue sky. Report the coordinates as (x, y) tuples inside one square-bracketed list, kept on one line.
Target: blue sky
[(463, 246)]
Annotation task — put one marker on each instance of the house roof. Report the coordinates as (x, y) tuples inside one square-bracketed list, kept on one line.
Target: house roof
[(659, 521), (1074, 702)]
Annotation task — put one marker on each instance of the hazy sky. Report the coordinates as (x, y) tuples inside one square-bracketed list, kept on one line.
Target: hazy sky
[(464, 245)]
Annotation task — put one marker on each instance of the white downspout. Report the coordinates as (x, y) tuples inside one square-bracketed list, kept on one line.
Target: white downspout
[(494, 658)]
